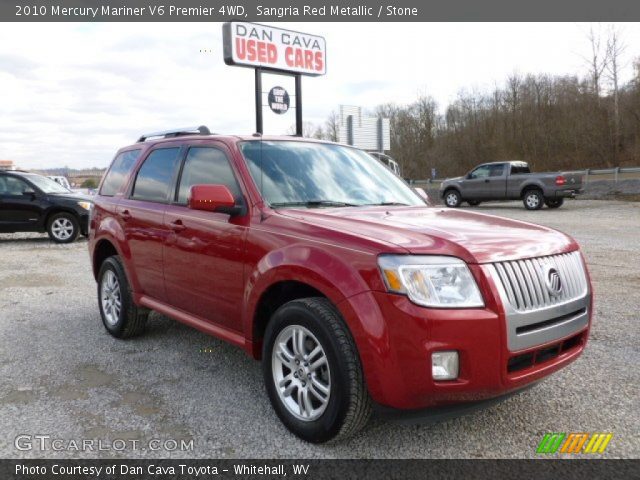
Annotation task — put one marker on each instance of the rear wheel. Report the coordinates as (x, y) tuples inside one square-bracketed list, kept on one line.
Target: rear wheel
[(120, 315), (452, 198), (312, 372), (555, 203), (473, 203), (63, 227), (533, 199)]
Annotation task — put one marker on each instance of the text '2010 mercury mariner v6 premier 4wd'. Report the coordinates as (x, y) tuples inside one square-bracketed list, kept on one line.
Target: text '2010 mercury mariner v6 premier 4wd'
[(316, 259)]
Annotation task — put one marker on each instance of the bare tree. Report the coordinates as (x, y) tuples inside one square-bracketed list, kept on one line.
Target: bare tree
[(598, 59), (332, 127), (615, 50)]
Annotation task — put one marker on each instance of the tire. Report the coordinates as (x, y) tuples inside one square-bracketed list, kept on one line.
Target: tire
[(533, 199), (452, 198), (473, 203), (343, 406), (128, 320), (63, 227), (555, 203)]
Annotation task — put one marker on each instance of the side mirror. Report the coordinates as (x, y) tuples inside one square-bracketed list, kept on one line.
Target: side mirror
[(423, 195), (212, 198), (469, 176)]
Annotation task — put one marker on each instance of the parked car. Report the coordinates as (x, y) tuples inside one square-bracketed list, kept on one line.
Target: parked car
[(61, 180), (34, 203), (388, 161), (511, 181), (317, 260)]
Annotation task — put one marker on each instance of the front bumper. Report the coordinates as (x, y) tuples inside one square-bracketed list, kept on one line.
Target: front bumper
[(83, 218), (396, 338)]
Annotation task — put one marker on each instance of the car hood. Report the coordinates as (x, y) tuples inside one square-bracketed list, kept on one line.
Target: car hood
[(453, 179), (72, 196), (474, 237)]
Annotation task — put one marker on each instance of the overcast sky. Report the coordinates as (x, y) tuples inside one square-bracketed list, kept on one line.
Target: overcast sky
[(72, 94)]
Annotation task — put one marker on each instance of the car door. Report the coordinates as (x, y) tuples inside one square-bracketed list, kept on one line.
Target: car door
[(20, 205), (203, 254), (474, 187), (497, 184), (141, 215)]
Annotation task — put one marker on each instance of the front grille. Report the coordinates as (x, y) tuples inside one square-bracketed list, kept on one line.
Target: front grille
[(525, 285)]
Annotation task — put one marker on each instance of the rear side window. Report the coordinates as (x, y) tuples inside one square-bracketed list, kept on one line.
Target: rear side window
[(155, 176), (12, 186), (518, 169), (206, 166), (118, 173)]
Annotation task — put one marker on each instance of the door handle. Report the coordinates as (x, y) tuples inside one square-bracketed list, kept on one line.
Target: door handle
[(125, 215), (177, 225)]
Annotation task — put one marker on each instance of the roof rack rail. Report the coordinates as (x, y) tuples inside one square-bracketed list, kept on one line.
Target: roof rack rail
[(201, 130)]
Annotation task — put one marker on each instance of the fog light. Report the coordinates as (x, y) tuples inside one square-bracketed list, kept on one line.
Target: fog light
[(444, 365)]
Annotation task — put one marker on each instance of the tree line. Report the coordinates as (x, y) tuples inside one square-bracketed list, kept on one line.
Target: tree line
[(552, 122)]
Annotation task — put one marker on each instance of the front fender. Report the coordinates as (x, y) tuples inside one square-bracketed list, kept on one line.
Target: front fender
[(317, 267)]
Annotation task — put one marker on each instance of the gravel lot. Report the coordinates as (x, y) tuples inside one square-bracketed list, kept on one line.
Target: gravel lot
[(64, 376)]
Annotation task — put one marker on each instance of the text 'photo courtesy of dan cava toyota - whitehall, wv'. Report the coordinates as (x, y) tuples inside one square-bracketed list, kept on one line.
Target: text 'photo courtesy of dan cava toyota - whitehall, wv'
[(242, 243)]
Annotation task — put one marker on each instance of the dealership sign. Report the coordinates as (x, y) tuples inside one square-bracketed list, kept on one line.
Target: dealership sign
[(260, 46)]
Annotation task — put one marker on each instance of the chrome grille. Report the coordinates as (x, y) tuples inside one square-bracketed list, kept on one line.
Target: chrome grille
[(525, 286)]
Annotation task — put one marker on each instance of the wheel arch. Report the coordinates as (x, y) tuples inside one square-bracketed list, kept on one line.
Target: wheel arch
[(530, 186)]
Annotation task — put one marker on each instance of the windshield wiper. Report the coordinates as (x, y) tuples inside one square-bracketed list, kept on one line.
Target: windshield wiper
[(385, 204), (313, 203)]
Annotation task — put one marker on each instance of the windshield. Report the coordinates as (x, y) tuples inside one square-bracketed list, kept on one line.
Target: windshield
[(320, 174), (46, 184)]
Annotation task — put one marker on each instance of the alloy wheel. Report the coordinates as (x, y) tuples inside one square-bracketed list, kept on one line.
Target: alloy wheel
[(110, 297), (301, 373)]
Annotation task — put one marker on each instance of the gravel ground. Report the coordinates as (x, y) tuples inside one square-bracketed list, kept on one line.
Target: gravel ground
[(64, 376)]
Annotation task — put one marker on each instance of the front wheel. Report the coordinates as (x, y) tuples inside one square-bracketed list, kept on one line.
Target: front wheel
[(63, 227), (555, 203), (452, 199), (312, 372), (533, 199)]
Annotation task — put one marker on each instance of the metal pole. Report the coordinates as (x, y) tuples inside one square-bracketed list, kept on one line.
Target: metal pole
[(298, 105), (258, 100)]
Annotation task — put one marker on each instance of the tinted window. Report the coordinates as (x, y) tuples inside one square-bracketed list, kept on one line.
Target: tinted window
[(496, 170), (480, 172), (12, 186), (154, 179), (118, 173), (206, 166), (517, 169)]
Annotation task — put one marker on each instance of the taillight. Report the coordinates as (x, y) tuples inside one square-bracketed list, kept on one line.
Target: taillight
[(560, 180)]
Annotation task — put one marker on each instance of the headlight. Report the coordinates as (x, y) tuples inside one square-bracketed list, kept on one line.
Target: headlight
[(431, 281), (86, 205)]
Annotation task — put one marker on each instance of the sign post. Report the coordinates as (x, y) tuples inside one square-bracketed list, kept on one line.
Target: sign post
[(274, 50)]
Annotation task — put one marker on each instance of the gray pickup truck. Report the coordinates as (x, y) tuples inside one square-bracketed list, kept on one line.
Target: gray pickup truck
[(510, 181)]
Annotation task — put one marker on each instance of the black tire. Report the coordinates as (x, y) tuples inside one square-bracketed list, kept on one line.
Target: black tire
[(452, 198), (131, 319), (63, 227), (555, 203), (349, 406), (533, 199), (473, 203)]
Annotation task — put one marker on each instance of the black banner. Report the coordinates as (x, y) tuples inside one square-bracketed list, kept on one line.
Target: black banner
[(315, 469), (307, 11)]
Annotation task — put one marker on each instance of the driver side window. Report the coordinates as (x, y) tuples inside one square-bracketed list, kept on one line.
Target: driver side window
[(480, 172)]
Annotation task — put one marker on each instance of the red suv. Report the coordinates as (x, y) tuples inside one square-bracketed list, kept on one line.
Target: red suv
[(316, 259)]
